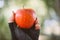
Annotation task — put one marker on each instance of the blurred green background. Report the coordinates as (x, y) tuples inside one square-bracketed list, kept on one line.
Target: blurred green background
[(47, 11)]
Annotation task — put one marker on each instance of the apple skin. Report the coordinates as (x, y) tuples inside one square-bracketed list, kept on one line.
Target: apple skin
[(25, 18)]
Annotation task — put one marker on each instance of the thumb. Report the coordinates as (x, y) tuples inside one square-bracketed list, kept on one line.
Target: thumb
[(13, 15)]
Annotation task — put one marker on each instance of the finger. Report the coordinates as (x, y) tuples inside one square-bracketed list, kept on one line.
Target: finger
[(37, 26)]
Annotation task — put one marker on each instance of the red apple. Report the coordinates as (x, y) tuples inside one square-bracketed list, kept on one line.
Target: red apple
[(25, 18)]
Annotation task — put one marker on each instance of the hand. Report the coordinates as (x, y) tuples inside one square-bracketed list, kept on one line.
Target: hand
[(37, 26), (11, 19)]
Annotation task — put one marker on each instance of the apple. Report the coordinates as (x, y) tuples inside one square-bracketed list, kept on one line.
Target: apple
[(25, 18)]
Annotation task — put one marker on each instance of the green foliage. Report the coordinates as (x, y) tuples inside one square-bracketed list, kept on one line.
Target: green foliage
[(4, 29), (49, 3), (21, 2)]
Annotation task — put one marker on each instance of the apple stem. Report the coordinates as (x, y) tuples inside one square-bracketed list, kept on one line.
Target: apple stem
[(23, 6)]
